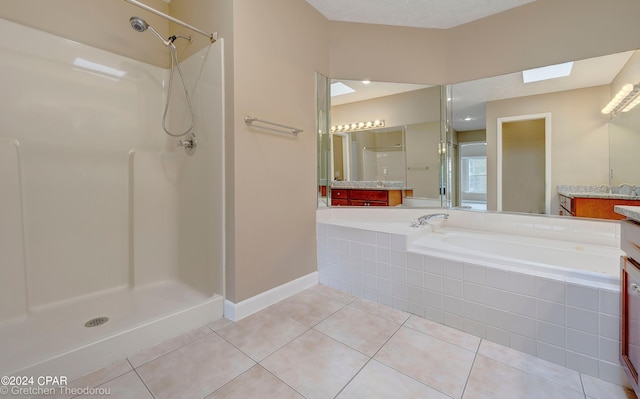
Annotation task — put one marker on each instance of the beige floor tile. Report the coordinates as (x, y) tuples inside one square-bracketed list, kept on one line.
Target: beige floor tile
[(531, 364), (163, 348), (308, 307), (262, 333), (128, 386), (491, 379), (256, 383), (377, 381), (360, 330), (386, 312), (94, 379), (445, 333), (315, 365), (195, 370), (218, 324), (434, 362), (598, 389), (332, 293)]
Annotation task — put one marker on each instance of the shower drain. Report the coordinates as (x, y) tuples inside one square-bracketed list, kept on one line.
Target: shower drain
[(98, 321)]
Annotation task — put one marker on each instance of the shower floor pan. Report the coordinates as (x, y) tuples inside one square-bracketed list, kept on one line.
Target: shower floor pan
[(53, 339)]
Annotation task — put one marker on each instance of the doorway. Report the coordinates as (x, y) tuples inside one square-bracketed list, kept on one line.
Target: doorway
[(341, 160), (524, 164)]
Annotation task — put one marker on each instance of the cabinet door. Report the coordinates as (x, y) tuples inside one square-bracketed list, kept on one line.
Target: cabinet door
[(630, 322), (339, 202), (339, 194)]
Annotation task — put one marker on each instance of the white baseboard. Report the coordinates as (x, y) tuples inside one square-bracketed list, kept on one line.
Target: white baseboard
[(238, 311)]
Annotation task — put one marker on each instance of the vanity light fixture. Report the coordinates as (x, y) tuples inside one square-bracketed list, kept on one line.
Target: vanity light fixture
[(349, 127), (627, 98), (366, 82)]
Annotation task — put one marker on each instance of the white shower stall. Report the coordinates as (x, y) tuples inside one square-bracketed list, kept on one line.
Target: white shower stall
[(103, 215)]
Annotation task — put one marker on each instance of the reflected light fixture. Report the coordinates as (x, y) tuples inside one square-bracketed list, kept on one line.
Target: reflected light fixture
[(624, 101), (349, 127), (366, 82)]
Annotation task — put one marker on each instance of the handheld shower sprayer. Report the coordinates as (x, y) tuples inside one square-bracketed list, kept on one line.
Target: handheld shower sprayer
[(140, 25)]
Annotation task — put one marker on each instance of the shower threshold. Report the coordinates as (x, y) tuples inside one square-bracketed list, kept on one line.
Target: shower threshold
[(53, 339)]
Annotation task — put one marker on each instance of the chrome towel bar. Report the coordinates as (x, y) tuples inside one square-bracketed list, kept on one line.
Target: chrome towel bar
[(249, 120)]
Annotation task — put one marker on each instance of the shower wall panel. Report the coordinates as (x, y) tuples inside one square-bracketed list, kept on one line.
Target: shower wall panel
[(12, 283), (76, 111)]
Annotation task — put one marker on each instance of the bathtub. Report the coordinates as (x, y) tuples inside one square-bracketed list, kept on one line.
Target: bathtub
[(593, 262), (546, 286)]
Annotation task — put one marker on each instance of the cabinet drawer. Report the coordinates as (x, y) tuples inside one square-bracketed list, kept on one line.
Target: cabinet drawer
[(339, 202), (630, 239), (339, 194), (566, 203), (367, 203), (373, 195)]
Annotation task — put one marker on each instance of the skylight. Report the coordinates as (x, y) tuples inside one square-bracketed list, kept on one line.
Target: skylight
[(548, 72), (339, 88)]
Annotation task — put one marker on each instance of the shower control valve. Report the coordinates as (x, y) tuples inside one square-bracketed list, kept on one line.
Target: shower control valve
[(189, 144)]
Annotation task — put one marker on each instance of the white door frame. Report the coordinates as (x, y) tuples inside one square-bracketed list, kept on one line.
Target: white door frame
[(547, 155)]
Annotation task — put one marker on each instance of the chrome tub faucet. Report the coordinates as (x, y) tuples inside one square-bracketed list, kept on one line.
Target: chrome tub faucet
[(423, 220)]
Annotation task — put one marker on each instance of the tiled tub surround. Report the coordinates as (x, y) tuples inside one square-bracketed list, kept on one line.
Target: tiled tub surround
[(569, 318)]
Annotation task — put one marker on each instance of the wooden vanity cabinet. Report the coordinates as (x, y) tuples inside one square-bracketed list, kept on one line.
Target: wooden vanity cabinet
[(630, 301), (600, 208), (364, 197)]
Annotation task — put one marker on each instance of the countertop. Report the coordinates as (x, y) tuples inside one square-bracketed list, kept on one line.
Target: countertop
[(371, 188), (598, 195), (631, 212)]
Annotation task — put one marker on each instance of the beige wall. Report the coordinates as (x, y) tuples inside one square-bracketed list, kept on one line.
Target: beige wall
[(579, 137), (472, 135), (99, 23), (278, 45), (397, 110)]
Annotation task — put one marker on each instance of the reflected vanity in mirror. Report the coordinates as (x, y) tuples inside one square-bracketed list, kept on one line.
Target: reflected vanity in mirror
[(384, 142), (549, 148)]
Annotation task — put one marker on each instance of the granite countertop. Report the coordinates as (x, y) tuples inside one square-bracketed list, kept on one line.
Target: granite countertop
[(369, 185), (631, 212), (371, 188), (598, 195), (602, 191)]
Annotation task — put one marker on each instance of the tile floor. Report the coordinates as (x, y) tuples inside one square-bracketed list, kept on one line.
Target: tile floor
[(322, 343)]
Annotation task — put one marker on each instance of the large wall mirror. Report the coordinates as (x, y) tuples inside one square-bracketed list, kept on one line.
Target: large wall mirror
[(514, 143), (498, 144), (381, 137)]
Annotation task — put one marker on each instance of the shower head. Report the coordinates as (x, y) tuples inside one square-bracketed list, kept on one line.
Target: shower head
[(138, 24)]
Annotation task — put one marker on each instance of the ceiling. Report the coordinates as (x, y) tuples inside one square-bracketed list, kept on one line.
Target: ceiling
[(435, 14), (469, 98), (371, 90)]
